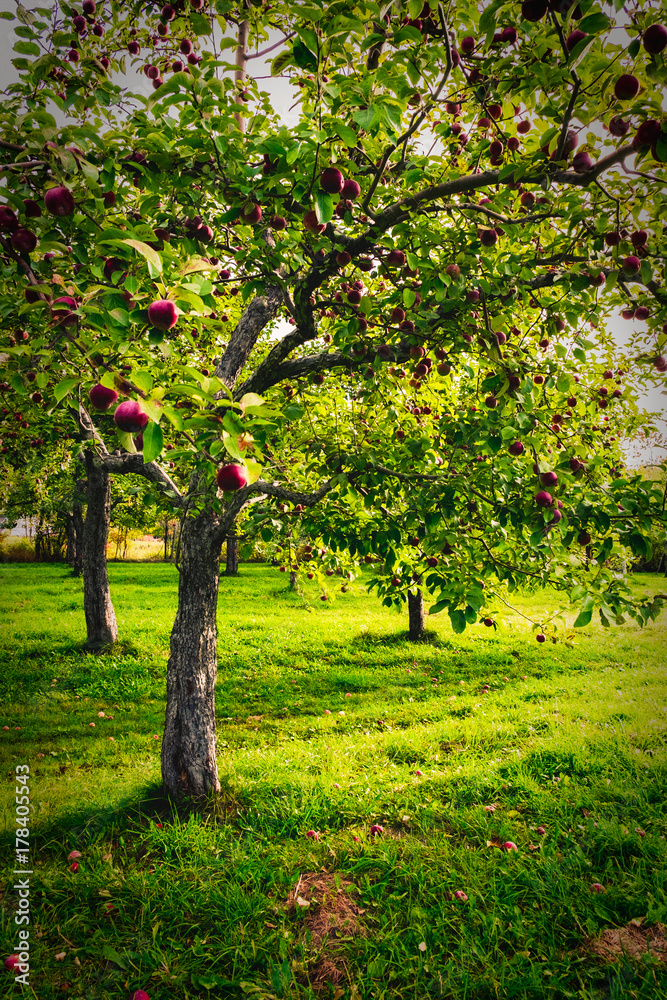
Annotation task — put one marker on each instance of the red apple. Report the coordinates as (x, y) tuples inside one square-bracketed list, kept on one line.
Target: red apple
[(395, 258), (467, 45), (101, 397), (59, 201), (533, 10), (12, 963), (549, 479), (311, 224), (626, 87), (630, 265), (8, 220), (597, 887), (584, 538), (581, 162), (509, 845), (453, 270), (516, 448), (140, 994), (523, 127), (130, 417), (544, 499), (331, 180), (350, 190), (162, 314), (648, 133), (574, 37), (618, 127), (31, 208), (639, 237), (488, 237), (655, 39), (251, 215), (232, 477), (343, 258), (24, 240), (376, 830)]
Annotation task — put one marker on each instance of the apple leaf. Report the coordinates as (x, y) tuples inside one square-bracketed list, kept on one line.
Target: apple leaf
[(593, 23), (65, 387), (254, 470), (152, 441), (173, 416), (153, 408), (365, 116), (586, 613), (147, 252), (458, 620), (143, 379), (324, 207), (347, 134), (303, 57), (126, 441)]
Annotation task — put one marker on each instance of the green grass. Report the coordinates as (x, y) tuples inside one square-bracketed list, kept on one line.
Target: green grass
[(571, 739)]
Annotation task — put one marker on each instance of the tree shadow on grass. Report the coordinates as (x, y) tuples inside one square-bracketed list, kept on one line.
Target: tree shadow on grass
[(428, 638)]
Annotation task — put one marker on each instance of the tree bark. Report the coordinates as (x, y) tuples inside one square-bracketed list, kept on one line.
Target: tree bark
[(189, 764), (232, 567), (292, 580), (416, 615), (75, 538), (100, 616)]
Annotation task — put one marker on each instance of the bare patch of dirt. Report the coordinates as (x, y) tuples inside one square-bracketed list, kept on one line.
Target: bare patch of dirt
[(331, 917), (635, 940)]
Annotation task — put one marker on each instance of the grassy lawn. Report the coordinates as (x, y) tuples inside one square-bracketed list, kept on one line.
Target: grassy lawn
[(329, 721)]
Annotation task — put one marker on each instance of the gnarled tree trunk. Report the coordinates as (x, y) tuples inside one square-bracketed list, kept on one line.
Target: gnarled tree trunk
[(100, 616), (189, 764), (416, 615), (232, 567)]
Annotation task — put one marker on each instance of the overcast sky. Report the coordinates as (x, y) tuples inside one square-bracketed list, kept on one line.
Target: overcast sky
[(283, 95)]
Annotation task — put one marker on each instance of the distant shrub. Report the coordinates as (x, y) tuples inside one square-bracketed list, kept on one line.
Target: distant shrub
[(16, 550)]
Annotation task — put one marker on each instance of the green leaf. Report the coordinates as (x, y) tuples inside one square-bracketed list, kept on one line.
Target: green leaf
[(347, 134), (303, 57), (458, 620), (281, 62), (324, 206), (143, 379), (65, 387), (586, 613), (152, 441), (112, 955), (634, 47), (365, 116), (593, 23), (153, 408), (27, 48), (150, 255)]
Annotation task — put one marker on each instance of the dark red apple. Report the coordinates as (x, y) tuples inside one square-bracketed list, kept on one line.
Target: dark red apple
[(639, 237), (141, 994), (31, 208), (467, 45), (129, 417), (365, 264), (8, 220), (584, 538), (655, 39), (516, 448), (311, 224), (395, 258), (544, 499), (101, 397), (24, 240), (59, 201), (642, 312), (533, 10), (549, 479), (618, 127), (133, 48), (251, 215), (582, 162), (350, 190), (231, 477), (185, 47), (574, 37), (453, 270), (630, 265), (343, 258), (647, 133), (626, 87), (397, 315), (331, 180), (162, 314), (12, 962), (524, 127), (278, 222), (488, 237)]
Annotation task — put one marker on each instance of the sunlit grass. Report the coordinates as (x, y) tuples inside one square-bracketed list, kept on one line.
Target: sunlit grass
[(570, 739)]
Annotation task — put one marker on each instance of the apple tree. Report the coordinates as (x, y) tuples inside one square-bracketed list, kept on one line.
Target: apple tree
[(390, 317)]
